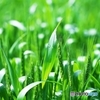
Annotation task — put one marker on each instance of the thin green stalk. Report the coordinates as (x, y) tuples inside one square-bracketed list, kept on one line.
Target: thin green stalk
[(88, 71), (56, 78), (22, 64)]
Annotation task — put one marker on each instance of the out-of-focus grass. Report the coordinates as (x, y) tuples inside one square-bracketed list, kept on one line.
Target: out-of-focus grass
[(25, 30)]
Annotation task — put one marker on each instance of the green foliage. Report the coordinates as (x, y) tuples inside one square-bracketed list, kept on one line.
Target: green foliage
[(13, 76), (50, 56), (95, 81), (38, 64), (23, 92), (3, 92)]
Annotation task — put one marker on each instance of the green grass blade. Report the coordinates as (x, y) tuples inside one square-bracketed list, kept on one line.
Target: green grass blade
[(16, 43), (3, 92), (12, 73), (23, 92), (96, 82), (50, 56)]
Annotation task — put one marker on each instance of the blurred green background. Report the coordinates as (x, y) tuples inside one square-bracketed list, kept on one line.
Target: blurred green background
[(26, 26), (41, 16)]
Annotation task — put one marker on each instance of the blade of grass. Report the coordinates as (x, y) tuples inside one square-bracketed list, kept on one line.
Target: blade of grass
[(23, 92), (50, 56), (16, 43), (12, 73), (96, 82), (88, 80), (3, 92)]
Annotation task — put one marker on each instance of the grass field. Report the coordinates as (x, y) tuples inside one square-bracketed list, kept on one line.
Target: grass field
[(49, 49)]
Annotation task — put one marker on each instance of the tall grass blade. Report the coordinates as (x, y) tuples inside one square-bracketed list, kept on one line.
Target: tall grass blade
[(96, 82), (16, 43), (50, 56), (12, 73), (88, 70)]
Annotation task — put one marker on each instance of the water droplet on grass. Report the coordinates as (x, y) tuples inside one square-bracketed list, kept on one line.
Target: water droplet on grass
[(43, 24), (81, 58), (97, 52), (40, 35), (70, 41), (90, 32), (1, 30), (33, 8), (71, 28), (49, 2)]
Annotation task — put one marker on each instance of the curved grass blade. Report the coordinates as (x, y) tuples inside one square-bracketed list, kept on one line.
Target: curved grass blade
[(16, 43), (12, 73), (96, 82), (17, 24), (23, 92), (50, 56)]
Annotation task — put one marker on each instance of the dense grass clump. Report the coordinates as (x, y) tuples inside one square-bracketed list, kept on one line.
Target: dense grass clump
[(49, 49)]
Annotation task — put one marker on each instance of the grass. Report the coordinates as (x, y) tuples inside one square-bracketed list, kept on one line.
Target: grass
[(48, 49)]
